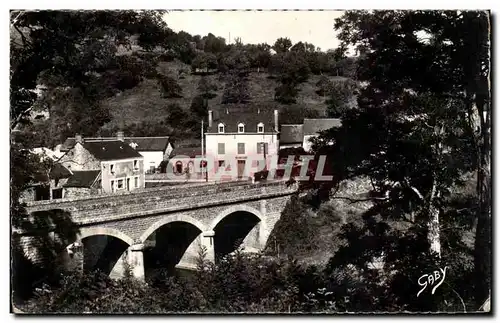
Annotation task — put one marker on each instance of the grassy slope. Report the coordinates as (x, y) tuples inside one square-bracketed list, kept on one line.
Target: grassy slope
[(145, 103)]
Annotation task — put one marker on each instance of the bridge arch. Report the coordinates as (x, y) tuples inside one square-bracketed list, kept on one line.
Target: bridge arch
[(238, 226), (169, 219), (234, 209), (171, 243), (100, 248), (98, 231)]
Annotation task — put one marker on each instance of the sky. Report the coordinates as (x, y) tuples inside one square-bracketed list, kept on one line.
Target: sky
[(255, 27)]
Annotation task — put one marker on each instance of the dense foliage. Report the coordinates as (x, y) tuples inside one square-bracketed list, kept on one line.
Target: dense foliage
[(422, 126)]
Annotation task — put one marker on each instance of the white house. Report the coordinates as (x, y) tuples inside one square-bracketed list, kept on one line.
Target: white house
[(312, 127), (240, 133), (291, 135)]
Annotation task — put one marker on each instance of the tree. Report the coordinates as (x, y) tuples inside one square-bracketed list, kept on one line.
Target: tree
[(214, 44), (289, 67), (236, 90), (235, 61), (169, 87), (282, 45), (259, 55), (433, 88), (199, 106), (286, 93), (340, 94), (66, 49), (207, 88), (176, 115), (204, 61)]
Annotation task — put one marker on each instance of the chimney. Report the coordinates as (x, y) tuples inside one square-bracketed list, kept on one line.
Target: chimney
[(78, 138), (276, 120), (210, 118), (120, 136)]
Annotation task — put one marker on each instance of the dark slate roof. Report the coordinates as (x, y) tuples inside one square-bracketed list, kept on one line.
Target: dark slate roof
[(111, 150), (82, 178), (313, 126), (59, 171), (186, 151), (143, 143), (291, 133), (249, 115), (148, 143)]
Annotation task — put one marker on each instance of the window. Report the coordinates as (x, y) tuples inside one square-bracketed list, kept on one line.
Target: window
[(241, 148), (136, 164), (57, 193), (120, 184), (111, 168), (260, 128), (262, 148), (221, 148), (221, 163), (136, 182), (112, 186), (221, 128), (178, 167), (241, 128)]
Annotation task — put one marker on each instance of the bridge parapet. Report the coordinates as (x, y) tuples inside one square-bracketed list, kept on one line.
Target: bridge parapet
[(104, 208)]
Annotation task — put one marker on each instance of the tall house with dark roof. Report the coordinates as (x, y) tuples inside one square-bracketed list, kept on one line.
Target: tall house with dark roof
[(153, 149), (240, 132), (109, 165)]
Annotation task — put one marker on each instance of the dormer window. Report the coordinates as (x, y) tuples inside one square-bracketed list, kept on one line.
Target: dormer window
[(260, 128), (221, 128), (241, 128)]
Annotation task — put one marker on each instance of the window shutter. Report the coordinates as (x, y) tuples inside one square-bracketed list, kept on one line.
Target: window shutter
[(241, 148), (221, 148)]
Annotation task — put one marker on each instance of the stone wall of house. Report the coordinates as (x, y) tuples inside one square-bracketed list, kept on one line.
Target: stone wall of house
[(80, 158), (27, 195), (72, 192)]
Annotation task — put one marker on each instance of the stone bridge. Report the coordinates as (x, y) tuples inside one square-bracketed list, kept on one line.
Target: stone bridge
[(166, 227)]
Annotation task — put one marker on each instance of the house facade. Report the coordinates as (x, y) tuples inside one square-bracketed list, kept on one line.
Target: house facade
[(312, 127), (153, 149), (237, 134), (109, 166)]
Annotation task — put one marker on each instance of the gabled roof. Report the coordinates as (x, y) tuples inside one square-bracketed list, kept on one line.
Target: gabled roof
[(111, 150), (148, 143), (313, 126), (249, 115), (58, 171), (143, 143), (291, 133), (83, 178)]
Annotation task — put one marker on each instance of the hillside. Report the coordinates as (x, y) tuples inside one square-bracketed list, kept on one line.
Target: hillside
[(144, 103)]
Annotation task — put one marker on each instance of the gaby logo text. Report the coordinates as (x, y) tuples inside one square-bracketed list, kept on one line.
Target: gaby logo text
[(435, 279)]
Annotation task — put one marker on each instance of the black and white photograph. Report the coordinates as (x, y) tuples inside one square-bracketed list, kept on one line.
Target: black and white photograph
[(250, 162)]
